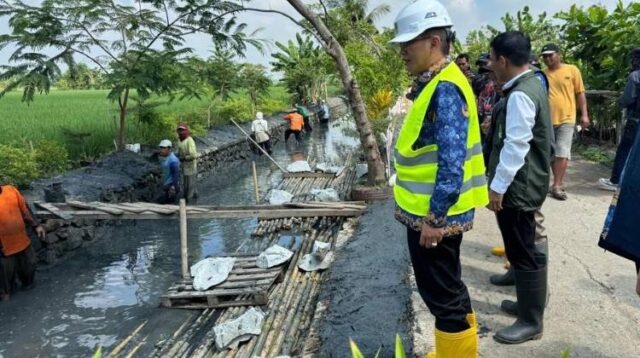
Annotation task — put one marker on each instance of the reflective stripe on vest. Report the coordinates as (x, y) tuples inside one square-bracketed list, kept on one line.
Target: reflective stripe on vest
[(427, 188), (417, 169), (431, 157)]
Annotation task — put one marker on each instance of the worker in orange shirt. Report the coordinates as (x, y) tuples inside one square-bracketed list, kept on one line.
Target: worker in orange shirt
[(296, 123), (17, 257)]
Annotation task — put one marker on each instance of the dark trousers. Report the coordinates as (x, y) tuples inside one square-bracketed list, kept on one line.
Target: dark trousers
[(438, 277), (296, 133), (166, 198), (21, 265), (307, 124), (266, 146), (518, 230), (628, 137)]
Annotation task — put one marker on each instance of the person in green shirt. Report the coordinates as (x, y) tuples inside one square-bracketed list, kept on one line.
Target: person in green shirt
[(188, 155), (305, 115)]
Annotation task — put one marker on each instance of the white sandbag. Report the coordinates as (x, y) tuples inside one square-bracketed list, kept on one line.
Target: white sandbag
[(230, 333), (320, 257), (211, 271), (329, 169), (361, 170), (273, 256), (329, 194), (299, 167), (279, 197), (133, 147)]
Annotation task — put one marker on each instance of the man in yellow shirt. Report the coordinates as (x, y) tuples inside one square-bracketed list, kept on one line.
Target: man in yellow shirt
[(565, 91), (188, 155)]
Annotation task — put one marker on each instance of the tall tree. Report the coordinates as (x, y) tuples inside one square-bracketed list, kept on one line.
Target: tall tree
[(335, 50), (138, 45), (303, 64), (255, 80), (217, 77)]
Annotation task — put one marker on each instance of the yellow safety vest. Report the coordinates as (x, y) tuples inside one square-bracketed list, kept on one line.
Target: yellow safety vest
[(416, 169)]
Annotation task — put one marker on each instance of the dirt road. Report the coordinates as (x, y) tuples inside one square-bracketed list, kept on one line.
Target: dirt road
[(593, 308)]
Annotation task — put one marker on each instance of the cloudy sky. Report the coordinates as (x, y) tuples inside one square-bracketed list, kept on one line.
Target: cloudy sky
[(467, 15)]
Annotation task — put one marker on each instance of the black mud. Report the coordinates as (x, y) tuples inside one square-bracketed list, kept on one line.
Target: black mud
[(366, 289)]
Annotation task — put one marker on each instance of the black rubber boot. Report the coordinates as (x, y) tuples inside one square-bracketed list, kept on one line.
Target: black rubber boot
[(511, 307), (507, 279), (531, 292)]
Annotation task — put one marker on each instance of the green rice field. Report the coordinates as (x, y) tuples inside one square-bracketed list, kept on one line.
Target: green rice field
[(84, 120)]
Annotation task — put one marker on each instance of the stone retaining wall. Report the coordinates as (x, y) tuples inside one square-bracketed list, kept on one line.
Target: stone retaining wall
[(110, 180)]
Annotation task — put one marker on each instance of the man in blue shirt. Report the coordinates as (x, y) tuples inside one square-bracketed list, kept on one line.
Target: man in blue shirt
[(170, 174)]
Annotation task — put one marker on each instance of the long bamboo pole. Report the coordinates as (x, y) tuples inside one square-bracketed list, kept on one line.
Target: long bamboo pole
[(255, 181), (183, 241), (259, 147)]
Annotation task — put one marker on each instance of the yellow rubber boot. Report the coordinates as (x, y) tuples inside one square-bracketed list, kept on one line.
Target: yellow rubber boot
[(456, 345), (498, 251), (471, 319)]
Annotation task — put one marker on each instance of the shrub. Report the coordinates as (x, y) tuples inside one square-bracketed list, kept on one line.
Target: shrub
[(271, 106), (238, 109), (51, 158), (18, 166)]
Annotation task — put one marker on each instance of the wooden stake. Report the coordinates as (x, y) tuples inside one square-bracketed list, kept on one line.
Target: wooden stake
[(259, 147), (255, 181), (183, 240)]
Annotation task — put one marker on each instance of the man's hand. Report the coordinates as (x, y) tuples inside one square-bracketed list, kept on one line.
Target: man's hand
[(485, 125), (172, 191), (495, 201), (40, 231), (585, 122), (430, 236)]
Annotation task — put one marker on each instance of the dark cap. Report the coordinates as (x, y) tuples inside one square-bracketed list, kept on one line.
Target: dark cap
[(549, 49)]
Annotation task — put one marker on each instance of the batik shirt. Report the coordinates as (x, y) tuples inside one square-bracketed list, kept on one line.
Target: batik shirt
[(445, 124)]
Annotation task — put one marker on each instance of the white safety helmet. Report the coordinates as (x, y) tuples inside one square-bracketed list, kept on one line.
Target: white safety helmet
[(418, 17), (165, 143)]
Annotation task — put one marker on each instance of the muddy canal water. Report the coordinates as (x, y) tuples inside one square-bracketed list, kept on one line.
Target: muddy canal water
[(107, 289)]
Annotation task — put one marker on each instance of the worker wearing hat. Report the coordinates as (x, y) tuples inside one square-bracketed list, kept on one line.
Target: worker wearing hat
[(170, 174), (188, 155), (440, 173)]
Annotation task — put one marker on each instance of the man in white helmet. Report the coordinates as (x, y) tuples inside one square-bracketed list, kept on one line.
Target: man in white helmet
[(170, 173), (440, 173)]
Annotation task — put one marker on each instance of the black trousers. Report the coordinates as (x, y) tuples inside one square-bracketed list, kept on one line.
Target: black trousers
[(438, 277), (288, 133), (518, 230), (307, 124), (21, 266)]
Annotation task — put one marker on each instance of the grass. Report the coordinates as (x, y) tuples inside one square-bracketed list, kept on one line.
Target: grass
[(84, 120), (595, 153)]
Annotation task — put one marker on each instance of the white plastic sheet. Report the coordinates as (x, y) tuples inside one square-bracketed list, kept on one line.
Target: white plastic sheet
[(329, 169), (211, 271), (320, 257), (361, 170), (299, 167), (279, 197), (230, 333), (329, 194), (273, 256)]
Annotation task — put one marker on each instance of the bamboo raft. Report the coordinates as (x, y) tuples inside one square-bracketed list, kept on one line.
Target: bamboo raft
[(292, 303), (247, 285)]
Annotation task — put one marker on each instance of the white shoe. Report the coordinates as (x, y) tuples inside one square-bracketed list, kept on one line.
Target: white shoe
[(606, 184)]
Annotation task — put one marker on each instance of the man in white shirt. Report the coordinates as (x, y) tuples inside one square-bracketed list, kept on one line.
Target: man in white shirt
[(260, 130), (519, 173)]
